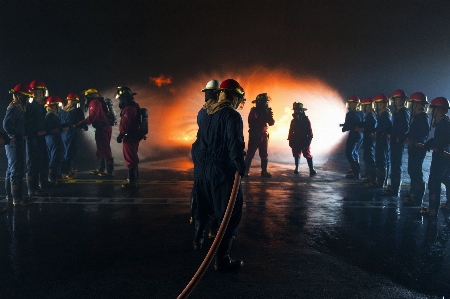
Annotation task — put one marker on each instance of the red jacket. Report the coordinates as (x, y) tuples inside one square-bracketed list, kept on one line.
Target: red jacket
[(258, 120), (129, 121), (97, 115)]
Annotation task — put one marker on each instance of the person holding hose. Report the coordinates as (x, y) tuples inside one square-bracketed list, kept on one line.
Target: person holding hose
[(219, 153)]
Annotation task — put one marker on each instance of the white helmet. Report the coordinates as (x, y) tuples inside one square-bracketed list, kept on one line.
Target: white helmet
[(212, 85)]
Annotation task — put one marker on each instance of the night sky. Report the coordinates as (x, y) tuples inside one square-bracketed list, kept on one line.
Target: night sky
[(357, 47)]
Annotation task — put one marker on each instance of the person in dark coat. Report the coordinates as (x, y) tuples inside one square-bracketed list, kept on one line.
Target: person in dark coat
[(353, 119), (219, 153), (53, 138), (382, 145), (440, 161), (369, 126), (129, 133), (300, 137), (211, 96), (71, 115), (36, 148), (14, 126), (418, 133), (400, 128), (259, 119)]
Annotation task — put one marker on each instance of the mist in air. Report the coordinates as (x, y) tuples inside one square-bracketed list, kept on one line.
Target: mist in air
[(173, 104)]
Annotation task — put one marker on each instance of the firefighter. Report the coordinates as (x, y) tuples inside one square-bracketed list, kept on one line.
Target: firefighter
[(300, 137), (353, 119), (440, 161), (418, 133), (211, 94), (71, 115), (369, 126), (53, 138), (400, 128), (382, 144), (103, 130), (129, 133), (259, 117), (36, 148), (218, 154), (14, 125)]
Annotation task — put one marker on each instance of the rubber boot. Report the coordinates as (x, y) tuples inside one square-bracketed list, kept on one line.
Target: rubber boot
[(18, 199), (132, 179), (100, 166), (394, 188), (16, 194), (355, 171), (433, 207), (199, 234), (31, 180), (297, 162), (52, 181), (312, 171), (264, 172), (109, 168), (380, 178), (8, 189), (223, 262), (247, 168)]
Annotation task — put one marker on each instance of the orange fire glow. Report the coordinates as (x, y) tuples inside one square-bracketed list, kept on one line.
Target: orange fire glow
[(161, 80), (172, 116)]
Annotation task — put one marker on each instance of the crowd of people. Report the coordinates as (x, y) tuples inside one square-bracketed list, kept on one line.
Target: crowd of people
[(42, 136), (384, 134)]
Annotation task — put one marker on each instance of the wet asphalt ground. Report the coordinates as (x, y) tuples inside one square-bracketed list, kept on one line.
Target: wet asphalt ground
[(300, 237)]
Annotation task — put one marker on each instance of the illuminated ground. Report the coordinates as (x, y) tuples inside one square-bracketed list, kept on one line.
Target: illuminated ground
[(300, 237)]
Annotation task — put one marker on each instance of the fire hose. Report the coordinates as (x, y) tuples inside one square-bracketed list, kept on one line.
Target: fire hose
[(215, 245)]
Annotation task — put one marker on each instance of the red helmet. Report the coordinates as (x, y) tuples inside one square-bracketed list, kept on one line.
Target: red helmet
[(419, 97), (233, 85), (22, 89), (439, 102), (399, 94), (72, 96), (366, 101), (37, 84), (53, 100), (380, 98), (353, 99)]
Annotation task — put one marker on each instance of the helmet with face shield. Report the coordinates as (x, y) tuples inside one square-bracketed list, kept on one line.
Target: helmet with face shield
[(233, 91), (418, 103), (75, 100), (367, 104)]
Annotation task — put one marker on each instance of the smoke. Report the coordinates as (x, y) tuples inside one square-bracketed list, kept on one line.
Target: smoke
[(173, 110)]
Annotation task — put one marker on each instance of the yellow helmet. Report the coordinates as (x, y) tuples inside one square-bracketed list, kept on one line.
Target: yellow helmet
[(90, 91)]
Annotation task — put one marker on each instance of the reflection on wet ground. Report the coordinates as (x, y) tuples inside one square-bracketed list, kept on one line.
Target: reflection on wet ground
[(300, 237)]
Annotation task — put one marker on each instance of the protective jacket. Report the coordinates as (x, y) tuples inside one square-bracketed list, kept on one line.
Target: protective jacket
[(129, 128), (218, 154)]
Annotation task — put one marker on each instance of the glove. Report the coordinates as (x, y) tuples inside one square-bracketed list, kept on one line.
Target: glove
[(6, 138), (428, 144), (119, 138)]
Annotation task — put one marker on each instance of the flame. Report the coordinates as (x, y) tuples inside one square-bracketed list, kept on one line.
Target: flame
[(172, 115), (161, 80)]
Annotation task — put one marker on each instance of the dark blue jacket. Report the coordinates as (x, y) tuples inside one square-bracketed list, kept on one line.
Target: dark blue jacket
[(14, 122), (370, 124), (34, 119), (353, 119), (384, 125), (419, 129), (400, 126), (220, 140)]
